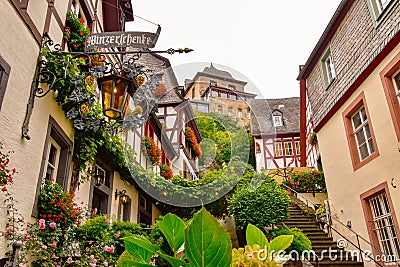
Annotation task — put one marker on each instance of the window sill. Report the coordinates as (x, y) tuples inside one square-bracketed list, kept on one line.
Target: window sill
[(331, 84), (359, 164)]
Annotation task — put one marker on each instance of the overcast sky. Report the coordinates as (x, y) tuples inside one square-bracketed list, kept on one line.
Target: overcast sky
[(262, 42)]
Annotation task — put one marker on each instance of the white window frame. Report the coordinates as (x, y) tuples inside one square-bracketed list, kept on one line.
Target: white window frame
[(363, 128), (384, 225), (297, 147), (240, 113), (288, 148), (278, 149), (49, 165), (277, 120), (248, 114), (396, 83), (328, 67), (230, 111), (378, 7), (220, 110)]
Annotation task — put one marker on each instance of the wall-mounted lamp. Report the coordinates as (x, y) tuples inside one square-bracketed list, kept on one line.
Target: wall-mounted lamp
[(98, 176), (123, 197)]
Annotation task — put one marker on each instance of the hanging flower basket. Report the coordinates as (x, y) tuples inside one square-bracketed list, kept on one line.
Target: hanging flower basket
[(151, 150), (313, 139), (166, 171), (191, 138)]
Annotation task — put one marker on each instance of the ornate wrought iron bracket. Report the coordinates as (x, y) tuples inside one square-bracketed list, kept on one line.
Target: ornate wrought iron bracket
[(44, 80)]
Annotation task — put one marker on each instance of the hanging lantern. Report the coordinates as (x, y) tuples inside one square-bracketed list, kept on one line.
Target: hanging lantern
[(115, 92)]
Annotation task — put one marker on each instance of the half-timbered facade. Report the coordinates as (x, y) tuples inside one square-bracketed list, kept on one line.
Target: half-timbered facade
[(46, 151), (276, 132)]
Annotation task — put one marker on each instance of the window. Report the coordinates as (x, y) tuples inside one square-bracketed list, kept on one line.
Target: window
[(231, 87), (240, 113), (277, 120), (288, 149), (213, 83), (328, 69), (202, 107), (220, 109), (52, 159), (100, 195), (4, 74), (193, 92), (56, 159), (258, 148), (145, 210), (232, 96), (396, 82), (224, 95), (248, 114), (230, 111), (278, 149), (77, 10), (381, 222), (360, 135), (384, 225), (378, 7), (297, 144), (214, 93), (390, 78)]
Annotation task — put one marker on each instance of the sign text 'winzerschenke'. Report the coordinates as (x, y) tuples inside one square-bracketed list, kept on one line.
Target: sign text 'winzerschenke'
[(121, 39)]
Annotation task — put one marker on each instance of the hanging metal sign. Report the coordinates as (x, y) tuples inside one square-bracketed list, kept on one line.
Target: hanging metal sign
[(122, 39)]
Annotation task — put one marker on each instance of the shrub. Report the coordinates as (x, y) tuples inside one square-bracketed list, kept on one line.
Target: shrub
[(166, 172), (263, 205), (308, 181), (300, 240)]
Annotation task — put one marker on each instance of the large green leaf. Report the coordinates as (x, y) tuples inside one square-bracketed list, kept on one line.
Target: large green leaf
[(255, 236), (140, 248), (127, 260), (280, 243), (206, 242), (173, 229)]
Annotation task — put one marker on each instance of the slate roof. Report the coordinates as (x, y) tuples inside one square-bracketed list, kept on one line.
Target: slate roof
[(262, 110), (214, 71), (172, 96)]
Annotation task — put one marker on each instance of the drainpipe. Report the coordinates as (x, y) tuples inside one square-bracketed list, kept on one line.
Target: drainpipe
[(303, 130)]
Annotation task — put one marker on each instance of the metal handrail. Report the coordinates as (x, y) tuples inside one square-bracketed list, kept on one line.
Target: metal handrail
[(329, 216)]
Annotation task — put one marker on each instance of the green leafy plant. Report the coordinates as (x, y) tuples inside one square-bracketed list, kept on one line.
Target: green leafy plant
[(300, 240), (312, 140), (259, 252), (308, 181), (77, 34), (56, 205), (261, 203), (166, 171), (200, 242)]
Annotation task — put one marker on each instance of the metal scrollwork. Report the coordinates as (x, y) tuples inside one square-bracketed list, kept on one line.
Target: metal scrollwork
[(45, 80)]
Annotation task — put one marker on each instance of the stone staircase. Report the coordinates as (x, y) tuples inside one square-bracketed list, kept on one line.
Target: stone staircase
[(321, 242)]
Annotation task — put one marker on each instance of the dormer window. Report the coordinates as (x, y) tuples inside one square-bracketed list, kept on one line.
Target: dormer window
[(277, 120), (213, 83)]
